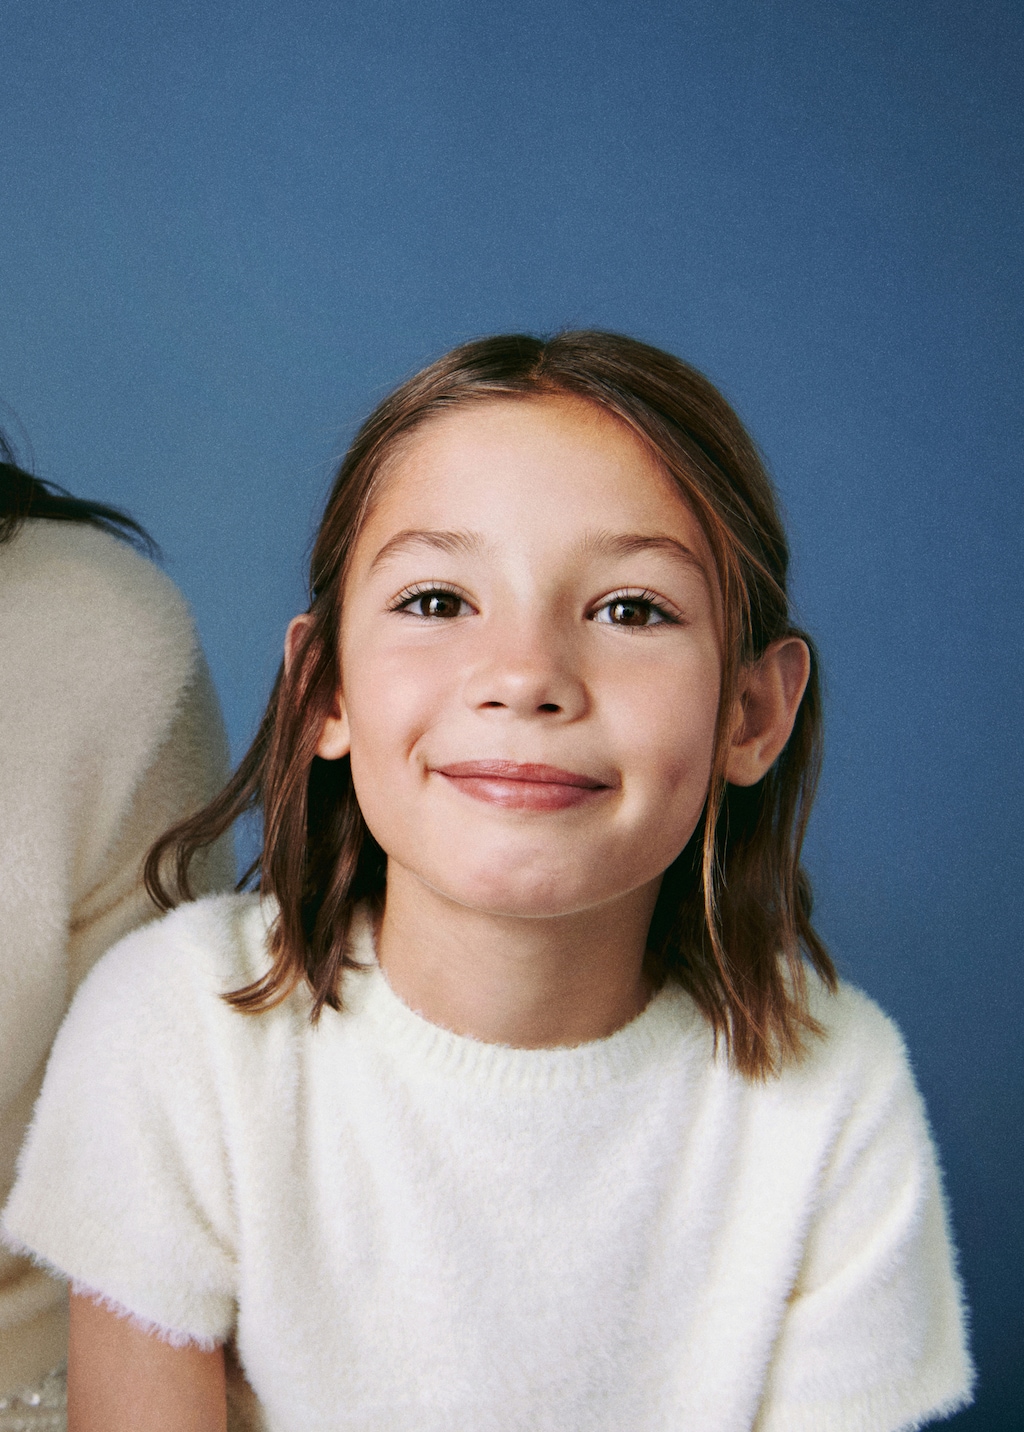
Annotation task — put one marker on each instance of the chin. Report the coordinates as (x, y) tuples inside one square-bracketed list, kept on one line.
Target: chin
[(538, 897)]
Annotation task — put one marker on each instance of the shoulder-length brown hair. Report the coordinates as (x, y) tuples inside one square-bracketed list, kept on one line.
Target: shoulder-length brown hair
[(732, 921)]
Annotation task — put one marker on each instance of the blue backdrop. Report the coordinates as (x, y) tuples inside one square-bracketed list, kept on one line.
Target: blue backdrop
[(226, 230)]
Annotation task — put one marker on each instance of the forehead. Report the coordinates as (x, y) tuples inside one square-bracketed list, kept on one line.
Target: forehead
[(514, 463)]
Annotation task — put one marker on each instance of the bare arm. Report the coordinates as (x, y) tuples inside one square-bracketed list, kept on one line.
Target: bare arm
[(123, 1380)]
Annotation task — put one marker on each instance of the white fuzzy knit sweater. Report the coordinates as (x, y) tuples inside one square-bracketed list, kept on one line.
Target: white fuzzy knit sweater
[(109, 731), (411, 1231)]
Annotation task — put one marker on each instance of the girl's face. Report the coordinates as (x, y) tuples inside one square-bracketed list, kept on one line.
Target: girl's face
[(531, 661)]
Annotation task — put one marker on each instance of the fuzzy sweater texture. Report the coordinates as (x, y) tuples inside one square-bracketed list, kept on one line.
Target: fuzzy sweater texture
[(109, 732), (406, 1230)]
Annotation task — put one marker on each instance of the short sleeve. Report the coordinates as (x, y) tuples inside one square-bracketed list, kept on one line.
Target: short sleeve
[(123, 1184), (874, 1336)]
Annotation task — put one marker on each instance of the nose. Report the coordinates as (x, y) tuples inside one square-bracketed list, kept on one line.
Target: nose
[(528, 674)]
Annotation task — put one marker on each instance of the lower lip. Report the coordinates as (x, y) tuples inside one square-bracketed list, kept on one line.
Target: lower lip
[(525, 795)]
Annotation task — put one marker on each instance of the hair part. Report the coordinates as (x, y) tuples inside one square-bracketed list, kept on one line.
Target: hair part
[(732, 923)]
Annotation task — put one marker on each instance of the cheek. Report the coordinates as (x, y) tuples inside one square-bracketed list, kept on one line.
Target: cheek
[(390, 700), (666, 719), (390, 705), (672, 777), (674, 792)]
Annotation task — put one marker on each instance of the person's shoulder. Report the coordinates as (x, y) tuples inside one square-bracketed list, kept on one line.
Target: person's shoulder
[(71, 563), (84, 613), (175, 970), (857, 1053), (855, 1027)]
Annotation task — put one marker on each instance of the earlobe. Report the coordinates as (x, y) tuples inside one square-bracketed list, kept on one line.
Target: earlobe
[(334, 739), (771, 690)]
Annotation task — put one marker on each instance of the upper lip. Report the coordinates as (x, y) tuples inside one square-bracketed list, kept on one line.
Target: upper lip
[(521, 771)]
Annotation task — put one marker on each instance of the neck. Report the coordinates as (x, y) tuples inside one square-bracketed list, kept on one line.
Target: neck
[(530, 983)]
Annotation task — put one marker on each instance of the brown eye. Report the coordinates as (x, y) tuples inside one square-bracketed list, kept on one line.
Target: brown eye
[(436, 604), (630, 612)]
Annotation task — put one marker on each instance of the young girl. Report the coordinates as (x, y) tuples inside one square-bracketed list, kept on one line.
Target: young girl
[(523, 1095)]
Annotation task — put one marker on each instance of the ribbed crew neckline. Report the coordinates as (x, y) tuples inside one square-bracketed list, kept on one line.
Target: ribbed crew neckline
[(667, 1021)]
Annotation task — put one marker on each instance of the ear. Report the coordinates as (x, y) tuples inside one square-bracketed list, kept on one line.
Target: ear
[(334, 738), (769, 697)]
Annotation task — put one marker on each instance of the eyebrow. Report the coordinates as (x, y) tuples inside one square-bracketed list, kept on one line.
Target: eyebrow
[(613, 544), (626, 544), (440, 541)]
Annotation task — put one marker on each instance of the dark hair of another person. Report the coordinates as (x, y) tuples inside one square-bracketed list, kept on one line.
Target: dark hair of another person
[(732, 923), (23, 496)]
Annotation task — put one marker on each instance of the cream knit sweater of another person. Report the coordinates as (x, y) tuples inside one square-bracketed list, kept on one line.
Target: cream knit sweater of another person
[(406, 1230), (109, 732)]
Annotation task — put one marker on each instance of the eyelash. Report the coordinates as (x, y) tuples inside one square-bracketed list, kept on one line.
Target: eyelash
[(643, 598), (406, 599)]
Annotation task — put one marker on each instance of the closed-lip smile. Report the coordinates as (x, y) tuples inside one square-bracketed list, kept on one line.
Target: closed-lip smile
[(518, 785)]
